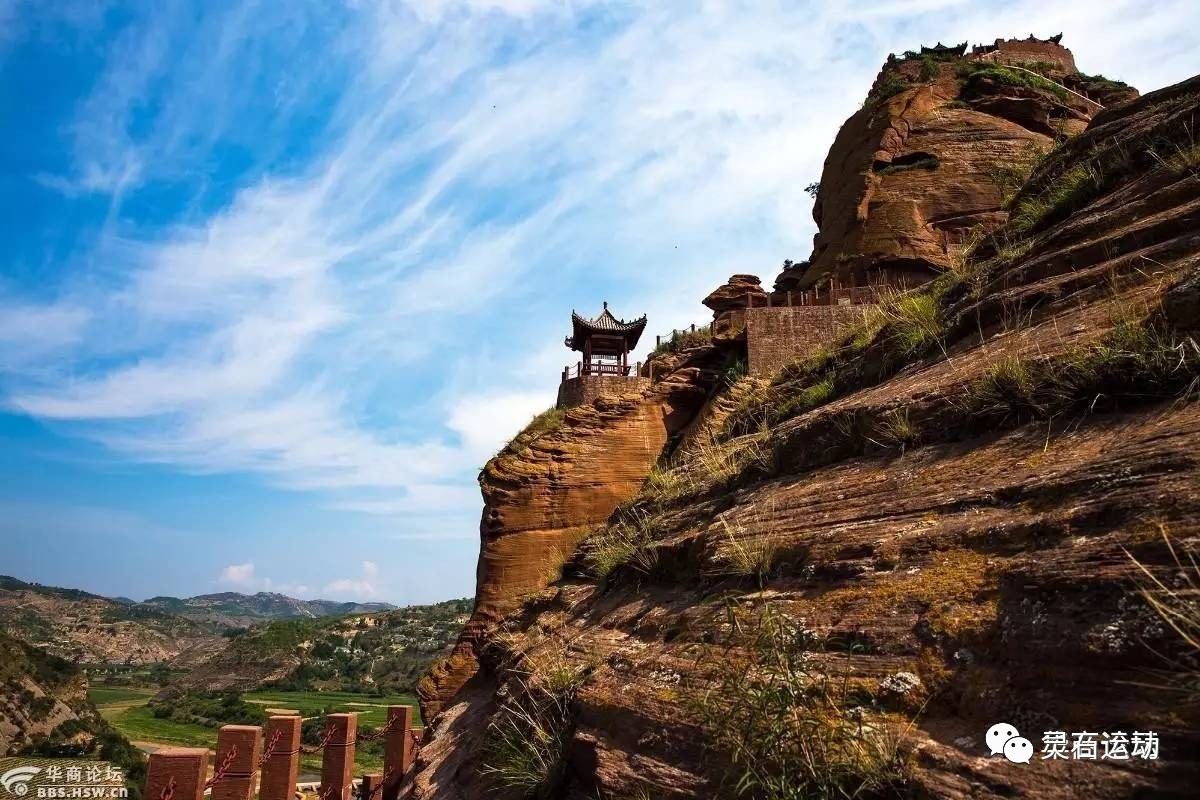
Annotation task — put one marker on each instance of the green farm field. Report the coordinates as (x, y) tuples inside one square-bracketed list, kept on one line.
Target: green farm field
[(372, 710), (125, 708)]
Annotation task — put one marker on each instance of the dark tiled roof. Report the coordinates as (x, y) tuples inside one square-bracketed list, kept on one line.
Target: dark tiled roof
[(605, 323)]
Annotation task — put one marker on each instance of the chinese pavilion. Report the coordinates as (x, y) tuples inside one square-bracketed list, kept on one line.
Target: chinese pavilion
[(605, 342)]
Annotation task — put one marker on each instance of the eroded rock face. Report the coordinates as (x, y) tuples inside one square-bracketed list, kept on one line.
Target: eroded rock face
[(979, 572), (38, 694), (918, 172), (544, 496), (740, 291)]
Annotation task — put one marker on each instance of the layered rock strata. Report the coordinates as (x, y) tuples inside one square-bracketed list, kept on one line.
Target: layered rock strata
[(949, 515), (936, 151)]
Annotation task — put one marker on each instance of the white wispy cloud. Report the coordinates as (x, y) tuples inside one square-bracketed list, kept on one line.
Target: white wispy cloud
[(239, 575), (372, 322), (362, 588)]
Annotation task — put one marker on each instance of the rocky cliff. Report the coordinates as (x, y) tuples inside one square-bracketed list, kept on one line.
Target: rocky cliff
[(931, 160), (552, 485), (978, 507)]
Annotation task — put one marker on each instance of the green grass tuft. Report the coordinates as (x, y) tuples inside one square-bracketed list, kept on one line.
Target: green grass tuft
[(629, 542), (974, 72), (746, 556), (789, 729), (1067, 192), (1136, 359), (528, 738)]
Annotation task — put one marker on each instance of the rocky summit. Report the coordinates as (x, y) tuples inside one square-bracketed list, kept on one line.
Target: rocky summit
[(974, 506), (941, 143)]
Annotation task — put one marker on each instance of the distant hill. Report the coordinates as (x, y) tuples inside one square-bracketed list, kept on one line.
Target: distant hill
[(242, 610), (40, 696), (360, 652), (87, 628)]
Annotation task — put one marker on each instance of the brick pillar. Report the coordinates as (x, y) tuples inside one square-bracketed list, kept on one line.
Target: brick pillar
[(337, 759), (398, 749), (371, 786), (283, 763), (177, 771), (241, 745)]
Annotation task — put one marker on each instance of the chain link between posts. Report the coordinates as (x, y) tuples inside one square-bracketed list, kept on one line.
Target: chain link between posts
[(330, 731), (391, 725), (270, 751), (168, 791), (223, 768)]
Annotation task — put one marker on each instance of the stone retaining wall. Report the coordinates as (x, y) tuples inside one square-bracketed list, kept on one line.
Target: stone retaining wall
[(775, 337), (586, 388)]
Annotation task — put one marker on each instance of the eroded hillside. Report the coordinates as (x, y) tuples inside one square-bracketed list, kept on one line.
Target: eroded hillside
[(41, 696), (971, 509), (359, 652), (84, 627)]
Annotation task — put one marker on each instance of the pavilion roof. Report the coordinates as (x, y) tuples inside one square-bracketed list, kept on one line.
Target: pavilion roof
[(604, 325)]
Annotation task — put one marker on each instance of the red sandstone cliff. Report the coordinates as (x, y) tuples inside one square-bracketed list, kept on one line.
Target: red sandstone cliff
[(924, 530), (931, 158), (551, 486)]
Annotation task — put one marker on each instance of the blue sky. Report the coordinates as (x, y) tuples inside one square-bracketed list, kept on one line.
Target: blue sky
[(277, 278)]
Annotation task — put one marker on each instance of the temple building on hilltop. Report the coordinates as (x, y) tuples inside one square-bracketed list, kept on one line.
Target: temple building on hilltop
[(604, 344)]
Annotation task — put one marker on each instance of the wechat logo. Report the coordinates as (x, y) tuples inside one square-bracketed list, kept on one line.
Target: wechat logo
[(1003, 739), (16, 781)]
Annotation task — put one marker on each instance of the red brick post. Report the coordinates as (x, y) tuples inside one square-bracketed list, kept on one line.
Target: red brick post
[(337, 757), (398, 749), (239, 748), (176, 773), (372, 784), (283, 759)]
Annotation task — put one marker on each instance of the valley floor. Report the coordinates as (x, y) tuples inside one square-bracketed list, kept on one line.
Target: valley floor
[(127, 709)]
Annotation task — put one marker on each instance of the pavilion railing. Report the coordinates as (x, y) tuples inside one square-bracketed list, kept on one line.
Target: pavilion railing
[(601, 368)]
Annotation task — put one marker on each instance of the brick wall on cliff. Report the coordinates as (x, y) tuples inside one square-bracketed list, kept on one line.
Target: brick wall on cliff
[(775, 337)]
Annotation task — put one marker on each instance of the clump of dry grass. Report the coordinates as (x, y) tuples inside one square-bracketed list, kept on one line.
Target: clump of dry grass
[(745, 556), (1182, 153), (714, 462), (528, 737), (630, 541), (1175, 599), (909, 320), (1137, 359), (790, 730), (666, 482), (896, 429)]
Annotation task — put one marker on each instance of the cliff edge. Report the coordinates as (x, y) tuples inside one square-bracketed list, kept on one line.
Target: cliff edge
[(977, 506)]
